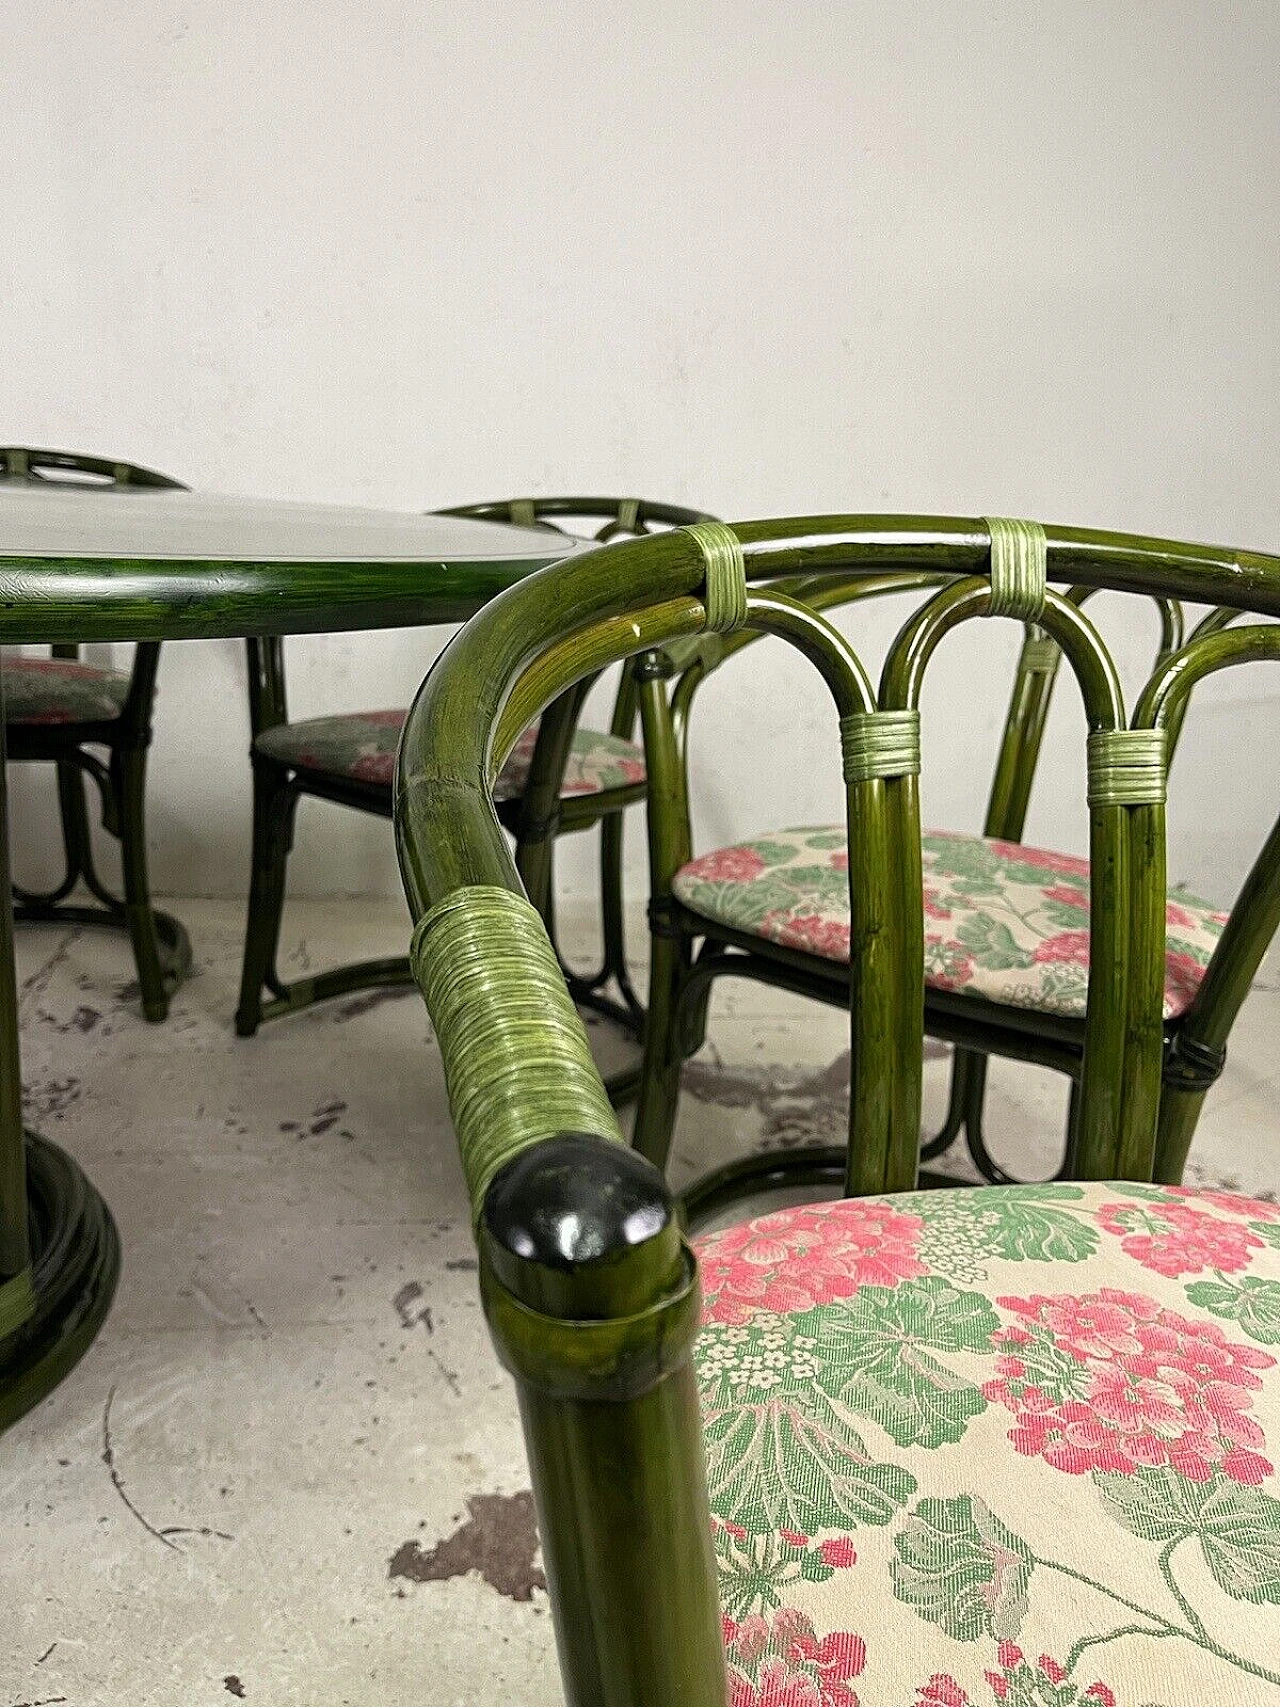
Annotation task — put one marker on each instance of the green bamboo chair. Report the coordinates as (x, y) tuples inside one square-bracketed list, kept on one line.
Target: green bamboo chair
[(561, 778), (903, 1463), (1007, 946), (57, 710)]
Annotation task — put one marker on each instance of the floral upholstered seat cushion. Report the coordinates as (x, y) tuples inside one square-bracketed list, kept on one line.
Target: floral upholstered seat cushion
[(362, 745), (1013, 1447), (60, 690), (1002, 920)]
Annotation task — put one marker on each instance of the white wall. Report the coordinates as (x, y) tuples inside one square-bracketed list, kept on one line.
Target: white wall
[(966, 256)]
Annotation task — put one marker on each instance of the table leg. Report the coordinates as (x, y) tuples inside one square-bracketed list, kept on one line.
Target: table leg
[(59, 1249)]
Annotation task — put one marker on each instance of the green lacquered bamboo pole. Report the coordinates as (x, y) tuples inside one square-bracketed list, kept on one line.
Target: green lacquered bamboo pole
[(634, 1626), (886, 992), (1028, 714), (15, 1252), (1144, 1025), (906, 880), (1180, 1110), (1023, 734), (1246, 937), (540, 802), (670, 847), (1141, 903), (612, 830), (268, 698), (1133, 563), (886, 995), (824, 593), (824, 646), (874, 1006), (591, 1297), (886, 950), (1211, 623), (593, 1304), (1200, 1037), (1208, 651), (1101, 1132), (590, 650), (1100, 1126), (142, 688), (919, 637)]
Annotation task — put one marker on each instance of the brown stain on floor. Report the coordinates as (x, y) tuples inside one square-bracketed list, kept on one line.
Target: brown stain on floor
[(798, 1106), (499, 1539), (371, 999)]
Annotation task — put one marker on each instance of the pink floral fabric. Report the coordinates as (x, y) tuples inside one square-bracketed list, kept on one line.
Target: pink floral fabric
[(1016, 1445), (779, 1662), (1140, 1385), (61, 690), (1005, 921), (362, 745), (798, 1259)]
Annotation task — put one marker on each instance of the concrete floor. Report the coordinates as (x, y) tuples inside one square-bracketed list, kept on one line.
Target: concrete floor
[(290, 1469)]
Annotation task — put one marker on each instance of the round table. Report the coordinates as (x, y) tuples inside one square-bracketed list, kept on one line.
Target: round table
[(132, 563)]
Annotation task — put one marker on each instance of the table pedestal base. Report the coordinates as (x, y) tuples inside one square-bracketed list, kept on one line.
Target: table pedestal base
[(75, 1263)]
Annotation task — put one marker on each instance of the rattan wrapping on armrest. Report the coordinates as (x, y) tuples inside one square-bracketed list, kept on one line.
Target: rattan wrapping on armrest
[(517, 1063)]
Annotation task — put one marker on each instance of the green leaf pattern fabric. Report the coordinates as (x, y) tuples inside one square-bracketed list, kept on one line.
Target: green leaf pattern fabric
[(1012, 1446), (362, 745), (1002, 920)]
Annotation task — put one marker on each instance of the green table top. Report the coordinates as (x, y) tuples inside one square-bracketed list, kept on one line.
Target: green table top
[(133, 563), (137, 563)]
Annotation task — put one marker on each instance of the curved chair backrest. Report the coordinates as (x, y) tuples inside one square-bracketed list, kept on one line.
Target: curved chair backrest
[(1030, 695), (71, 468), (74, 468), (566, 623), (1197, 1049), (605, 520)]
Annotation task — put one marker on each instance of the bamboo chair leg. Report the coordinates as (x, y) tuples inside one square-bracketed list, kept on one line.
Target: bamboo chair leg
[(695, 1004), (613, 916), (591, 989), (274, 804), (73, 814), (957, 1101), (975, 1095), (535, 861), (73, 820), (130, 778), (660, 1074), (1179, 1116)]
